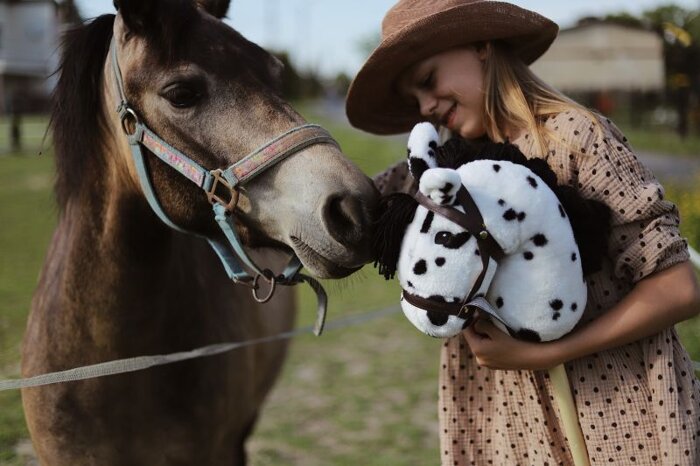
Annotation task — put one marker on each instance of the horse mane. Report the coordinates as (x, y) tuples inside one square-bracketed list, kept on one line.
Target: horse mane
[(77, 113), (77, 105), (590, 220)]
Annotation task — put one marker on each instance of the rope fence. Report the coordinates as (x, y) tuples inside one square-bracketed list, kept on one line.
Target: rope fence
[(122, 366)]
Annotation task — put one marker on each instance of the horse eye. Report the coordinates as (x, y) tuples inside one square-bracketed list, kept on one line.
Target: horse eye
[(443, 237), (182, 96)]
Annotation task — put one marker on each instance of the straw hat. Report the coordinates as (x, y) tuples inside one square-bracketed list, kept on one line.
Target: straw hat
[(416, 29)]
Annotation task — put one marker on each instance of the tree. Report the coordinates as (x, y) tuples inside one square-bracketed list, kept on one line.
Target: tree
[(680, 30)]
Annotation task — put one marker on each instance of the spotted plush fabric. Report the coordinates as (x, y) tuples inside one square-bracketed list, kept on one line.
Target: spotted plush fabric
[(536, 290), (637, 404)]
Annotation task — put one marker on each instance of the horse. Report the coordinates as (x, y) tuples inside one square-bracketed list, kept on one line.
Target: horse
[(117, 282)]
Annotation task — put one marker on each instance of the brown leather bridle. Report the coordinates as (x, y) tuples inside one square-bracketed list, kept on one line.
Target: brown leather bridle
[(473, 222)]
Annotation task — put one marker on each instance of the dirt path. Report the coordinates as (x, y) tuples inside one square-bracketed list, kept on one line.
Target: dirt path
[(672, 168)]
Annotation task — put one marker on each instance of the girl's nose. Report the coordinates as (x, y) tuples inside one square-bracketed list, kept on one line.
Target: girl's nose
[(428, 104)]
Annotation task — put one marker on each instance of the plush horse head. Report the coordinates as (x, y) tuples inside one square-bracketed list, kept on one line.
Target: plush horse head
[(527, 254)]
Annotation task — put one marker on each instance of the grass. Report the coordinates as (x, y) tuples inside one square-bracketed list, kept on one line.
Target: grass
[(33, 132), (27, 213), (27, 216), (361, 395)]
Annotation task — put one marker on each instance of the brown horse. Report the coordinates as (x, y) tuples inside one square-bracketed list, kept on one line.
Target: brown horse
[(118, 283)]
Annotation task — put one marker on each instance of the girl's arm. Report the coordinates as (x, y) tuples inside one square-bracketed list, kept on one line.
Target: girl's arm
[(657, 302)]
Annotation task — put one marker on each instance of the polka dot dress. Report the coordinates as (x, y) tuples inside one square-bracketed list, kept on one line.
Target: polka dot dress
[(637, 404)]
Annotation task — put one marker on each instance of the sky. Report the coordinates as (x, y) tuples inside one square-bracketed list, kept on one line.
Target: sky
[(325, 35)]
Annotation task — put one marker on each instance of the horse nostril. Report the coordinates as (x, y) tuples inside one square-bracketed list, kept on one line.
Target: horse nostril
[(345, 218)]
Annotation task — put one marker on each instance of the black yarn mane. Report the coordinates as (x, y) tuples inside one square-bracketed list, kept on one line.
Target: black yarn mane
[(590, 220), (396, 213)]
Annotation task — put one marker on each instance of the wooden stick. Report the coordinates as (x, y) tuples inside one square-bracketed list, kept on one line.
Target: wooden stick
[(569, 417)]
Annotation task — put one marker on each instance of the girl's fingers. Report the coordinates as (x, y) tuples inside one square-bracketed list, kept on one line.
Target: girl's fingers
[(484, 327)]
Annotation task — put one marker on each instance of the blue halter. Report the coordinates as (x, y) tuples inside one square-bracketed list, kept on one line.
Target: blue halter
[(230, 252)]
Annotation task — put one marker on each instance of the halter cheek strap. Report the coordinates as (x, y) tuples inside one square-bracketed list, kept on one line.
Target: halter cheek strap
[(489, 250), (221, 188)]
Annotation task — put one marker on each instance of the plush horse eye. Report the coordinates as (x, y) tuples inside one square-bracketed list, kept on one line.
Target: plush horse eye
[(443, 237), (450, 240), (182, 96)]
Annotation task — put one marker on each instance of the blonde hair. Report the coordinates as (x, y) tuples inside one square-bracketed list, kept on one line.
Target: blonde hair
[(516, 98)]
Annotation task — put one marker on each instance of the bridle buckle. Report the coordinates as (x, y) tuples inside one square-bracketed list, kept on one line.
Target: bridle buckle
[(129, 120), (214, 198), (467, 313), (463, 310)]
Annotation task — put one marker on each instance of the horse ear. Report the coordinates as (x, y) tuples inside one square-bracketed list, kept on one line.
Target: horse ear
[(155, 19), (441, 185), (216, 8), (136, 14), (396, 212), (422, 146)]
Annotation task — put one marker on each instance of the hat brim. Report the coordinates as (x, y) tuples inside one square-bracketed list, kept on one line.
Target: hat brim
[(373, 103)]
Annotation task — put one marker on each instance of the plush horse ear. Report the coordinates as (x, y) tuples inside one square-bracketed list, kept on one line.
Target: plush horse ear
[(458, 151), (422, 146), (216, 8), (396, 212), (440, 185)]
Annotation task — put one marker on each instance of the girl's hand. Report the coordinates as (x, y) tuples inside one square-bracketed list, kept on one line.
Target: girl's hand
[(496, 349)]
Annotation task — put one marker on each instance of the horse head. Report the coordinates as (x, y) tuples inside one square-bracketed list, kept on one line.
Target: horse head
[(488, 229), (212, 94)]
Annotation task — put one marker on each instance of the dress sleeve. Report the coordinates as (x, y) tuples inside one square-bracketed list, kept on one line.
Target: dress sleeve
[(645, 237), (394, 179)]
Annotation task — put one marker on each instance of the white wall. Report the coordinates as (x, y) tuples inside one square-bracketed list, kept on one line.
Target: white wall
[(604, 57), (29, 39)]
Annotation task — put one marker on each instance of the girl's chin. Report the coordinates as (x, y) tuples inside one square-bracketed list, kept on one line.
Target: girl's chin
[(471, 131)]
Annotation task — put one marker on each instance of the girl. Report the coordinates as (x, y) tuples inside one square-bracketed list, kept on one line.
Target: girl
[(463, 65)]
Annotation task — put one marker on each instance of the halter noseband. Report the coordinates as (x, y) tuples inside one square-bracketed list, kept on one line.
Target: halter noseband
[(221, 188), (473, 222)]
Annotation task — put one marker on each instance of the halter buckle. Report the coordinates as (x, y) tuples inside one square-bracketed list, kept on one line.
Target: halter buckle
[(129, 120), (466, 312), (214, 198)]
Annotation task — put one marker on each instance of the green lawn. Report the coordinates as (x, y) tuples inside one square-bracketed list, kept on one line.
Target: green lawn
[(365, 395), (33, 132)]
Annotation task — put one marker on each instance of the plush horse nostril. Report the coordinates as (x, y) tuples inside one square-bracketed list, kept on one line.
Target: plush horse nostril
[(345, 218)]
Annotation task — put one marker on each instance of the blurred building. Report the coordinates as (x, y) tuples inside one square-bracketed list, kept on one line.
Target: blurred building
[(606, 65), (29, 38), (602, 56)]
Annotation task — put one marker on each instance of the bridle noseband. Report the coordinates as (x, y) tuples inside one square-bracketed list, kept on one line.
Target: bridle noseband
[(221, 188), (473, 222)]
